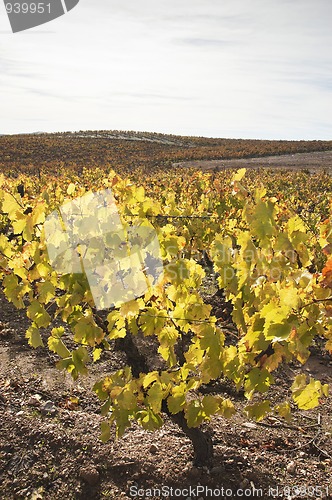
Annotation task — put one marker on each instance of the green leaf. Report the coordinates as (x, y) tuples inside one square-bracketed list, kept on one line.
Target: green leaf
[(100, 388), (105, 432), (38, 314), (127, 400), (231, 364), (43, 269), (262, 224), (87, 332), (152, 321), (46, 292), (105, 408), (295, 224), (80, 358), (210, 339), (13, 290), (122, 421), (116, 326), (194, 413), (277, 322), (149, 420), (257, 380), (33, 336), (5, 247), (177, 400), (168, 336), (289, 297), (258, 411), (155, 397), (211, 404), (284, 410), (172, 245), (226, 408), (211, 367), (56, 345)]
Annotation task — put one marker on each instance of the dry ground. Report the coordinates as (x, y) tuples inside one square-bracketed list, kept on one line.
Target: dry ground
[(297, 161), (50, 447)]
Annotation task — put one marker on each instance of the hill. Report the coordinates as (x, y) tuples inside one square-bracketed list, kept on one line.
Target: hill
[(126, 150)]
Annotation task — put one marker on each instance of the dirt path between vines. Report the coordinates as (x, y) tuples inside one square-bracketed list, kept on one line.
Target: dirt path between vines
[(50, 447), (308, 161)]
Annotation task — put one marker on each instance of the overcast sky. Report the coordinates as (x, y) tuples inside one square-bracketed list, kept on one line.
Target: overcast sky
[(219, 68)]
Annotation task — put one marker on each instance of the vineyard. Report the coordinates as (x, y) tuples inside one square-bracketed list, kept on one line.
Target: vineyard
[(223, 363), (129, 151)]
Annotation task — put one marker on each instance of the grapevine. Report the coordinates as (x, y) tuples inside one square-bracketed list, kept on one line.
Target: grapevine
[(271, 261)]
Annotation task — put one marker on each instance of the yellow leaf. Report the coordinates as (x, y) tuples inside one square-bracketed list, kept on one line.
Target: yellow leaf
[(306, 396), (11, 206), (239, 174), (131, 308), (96, 354), (71, 189)]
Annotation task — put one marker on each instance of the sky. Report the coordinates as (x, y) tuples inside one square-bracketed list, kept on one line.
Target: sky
[(259, 69)]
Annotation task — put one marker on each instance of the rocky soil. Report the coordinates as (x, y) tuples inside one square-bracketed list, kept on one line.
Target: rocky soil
[(50, 446)]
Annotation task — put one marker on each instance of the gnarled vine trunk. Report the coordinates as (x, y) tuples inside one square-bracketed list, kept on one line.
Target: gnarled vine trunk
[(201, 441)]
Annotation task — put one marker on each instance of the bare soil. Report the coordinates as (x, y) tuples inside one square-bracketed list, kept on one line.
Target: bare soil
[(50, 427), (297, 161)]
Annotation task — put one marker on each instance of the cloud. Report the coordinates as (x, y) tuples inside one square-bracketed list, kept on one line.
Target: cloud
[(251, 69), (148, 96), (205, 42)]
